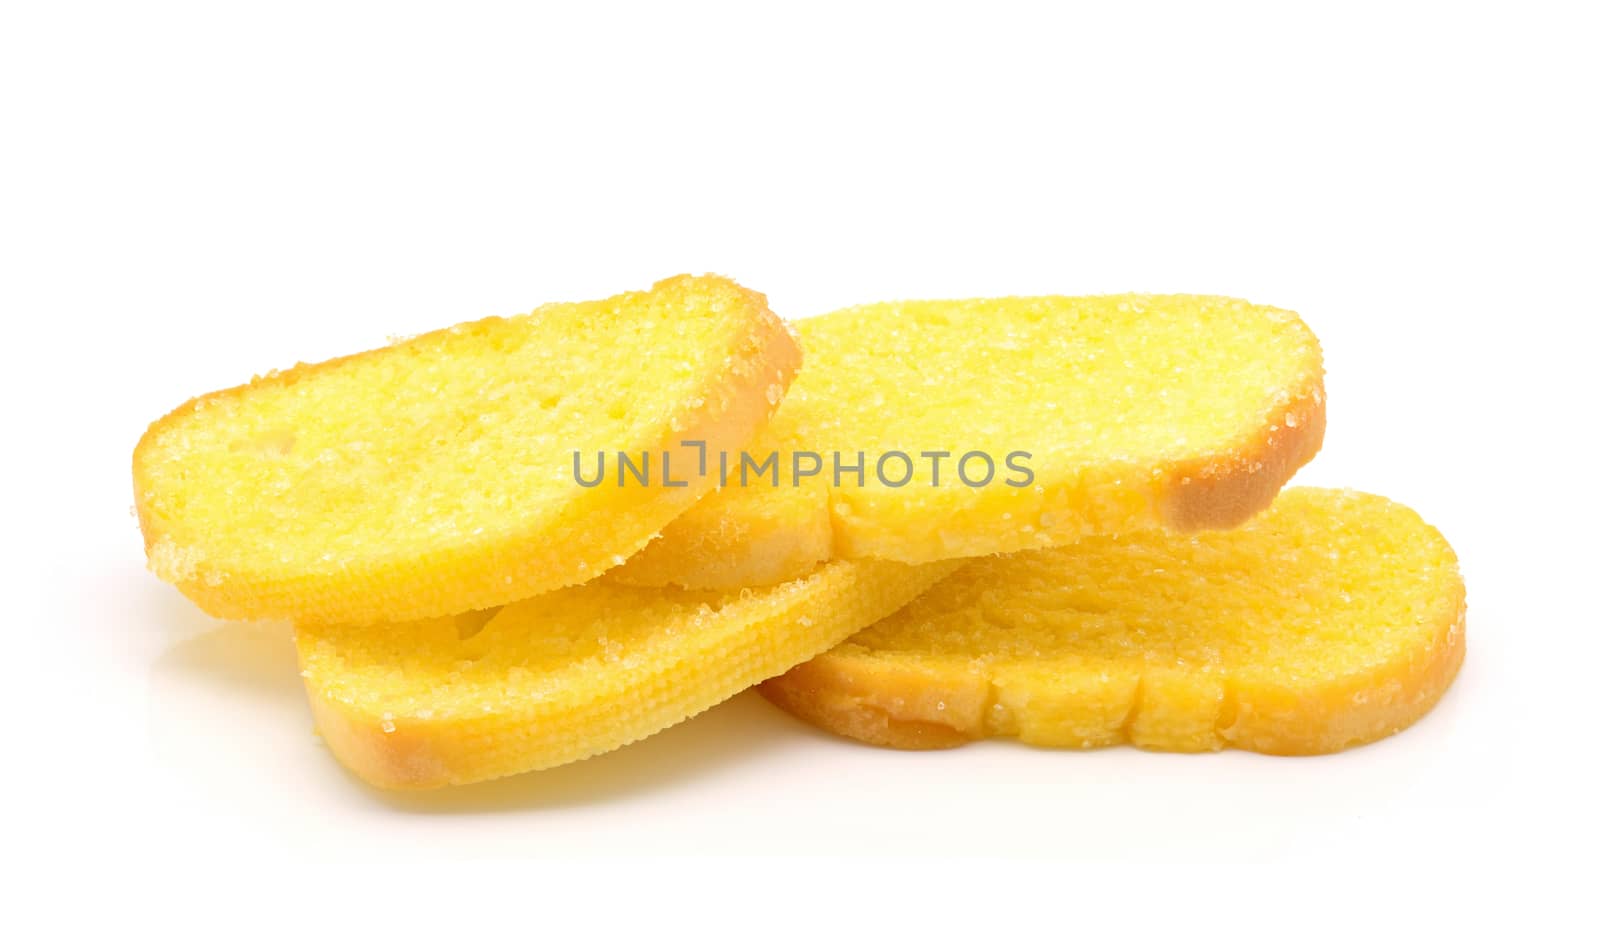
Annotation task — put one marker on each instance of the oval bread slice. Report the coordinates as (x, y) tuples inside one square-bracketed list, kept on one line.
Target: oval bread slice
[(436, 475), (1333, 619), (572, 673), (1134, 412)]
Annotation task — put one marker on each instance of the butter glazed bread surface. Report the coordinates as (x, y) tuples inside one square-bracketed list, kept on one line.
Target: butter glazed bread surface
[(435, 476), (1135, 412), (572, 673), (1333, 619)]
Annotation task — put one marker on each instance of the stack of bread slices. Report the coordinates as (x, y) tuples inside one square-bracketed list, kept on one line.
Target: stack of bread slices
[(517, 543)]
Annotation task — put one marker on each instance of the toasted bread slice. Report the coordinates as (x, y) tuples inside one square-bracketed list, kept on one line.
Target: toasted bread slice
[(1135, 411), (436, 476), (571, 673), (1333, 619)]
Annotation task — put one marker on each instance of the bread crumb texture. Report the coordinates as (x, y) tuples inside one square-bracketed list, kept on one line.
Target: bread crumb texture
[(435, 476), (572, 673), (1138, 411), (1333, 619)]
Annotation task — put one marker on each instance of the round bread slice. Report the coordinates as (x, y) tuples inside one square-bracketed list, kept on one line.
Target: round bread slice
[(1334, 619), (441, 474), (1023, 422), (570, 674)]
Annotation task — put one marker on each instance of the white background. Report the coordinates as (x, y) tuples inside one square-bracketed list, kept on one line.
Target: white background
[(192, 193)]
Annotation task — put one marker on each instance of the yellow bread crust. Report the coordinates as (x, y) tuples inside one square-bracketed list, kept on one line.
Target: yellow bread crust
[(916, 701), (1223, 491), (760, 535), (595, 529), (418, 706)]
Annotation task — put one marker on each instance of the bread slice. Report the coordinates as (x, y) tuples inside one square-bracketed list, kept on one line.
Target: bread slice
[(572, 673), (436, 476), (1137, 411), (1334, 619)]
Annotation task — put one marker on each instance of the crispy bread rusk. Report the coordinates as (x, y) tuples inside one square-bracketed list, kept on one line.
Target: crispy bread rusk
[(572, 673), (1136, 411), (436, 475), (1333, 619)]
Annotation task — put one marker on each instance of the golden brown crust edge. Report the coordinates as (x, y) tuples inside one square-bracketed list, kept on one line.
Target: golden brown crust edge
[(878, 703), (1224, 491), (394, 761)]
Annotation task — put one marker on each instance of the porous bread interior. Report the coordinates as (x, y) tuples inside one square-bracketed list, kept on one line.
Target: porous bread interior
[(571, 673), (436, 475), (1137, 411), (1334, 618)]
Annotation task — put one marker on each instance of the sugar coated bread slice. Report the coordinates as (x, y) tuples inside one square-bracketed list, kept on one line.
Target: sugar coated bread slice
[(1127, 412), (1333, 619), (436, 475), (571, 673)]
